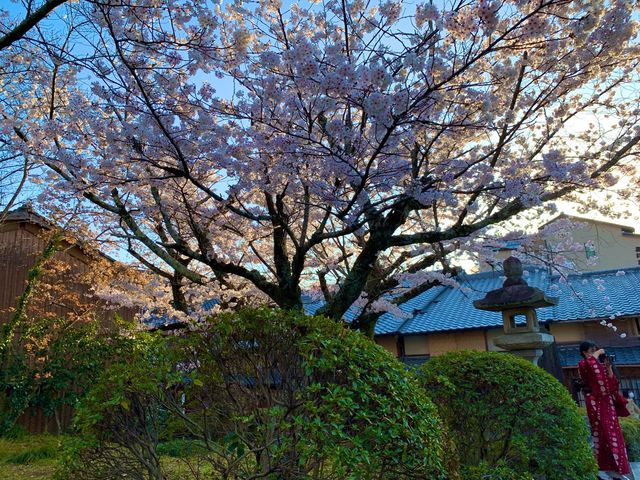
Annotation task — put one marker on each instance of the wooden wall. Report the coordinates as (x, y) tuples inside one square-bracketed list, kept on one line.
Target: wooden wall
[(20, 245), (17, 247), (35, 421)]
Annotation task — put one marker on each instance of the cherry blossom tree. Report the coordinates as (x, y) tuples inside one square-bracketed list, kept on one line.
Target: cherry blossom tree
[(16, 166), (344, 148), (33, 15)]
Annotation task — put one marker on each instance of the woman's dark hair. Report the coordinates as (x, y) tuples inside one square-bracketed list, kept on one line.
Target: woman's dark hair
[(584, 346)]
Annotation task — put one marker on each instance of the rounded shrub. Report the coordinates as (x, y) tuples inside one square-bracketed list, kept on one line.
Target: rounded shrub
[(305, 397), (631, 433), (264, 394), (509, 418)]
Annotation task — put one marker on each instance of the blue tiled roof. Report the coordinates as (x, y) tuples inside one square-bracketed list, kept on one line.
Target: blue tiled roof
[(453, 309), (585, 296), (593, 295), (589, 295), (570, 356), (388, 324), (163, 321), (312, 306)]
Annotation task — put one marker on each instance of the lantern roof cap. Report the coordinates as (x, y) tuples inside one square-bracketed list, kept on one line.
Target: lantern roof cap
[(515, 292)]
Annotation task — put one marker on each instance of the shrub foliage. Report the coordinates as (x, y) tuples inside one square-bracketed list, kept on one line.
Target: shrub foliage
[(631, 433), (57, 362), (263, 394), (509, 416)]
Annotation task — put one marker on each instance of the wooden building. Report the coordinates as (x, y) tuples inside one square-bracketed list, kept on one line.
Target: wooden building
[(62, 291)]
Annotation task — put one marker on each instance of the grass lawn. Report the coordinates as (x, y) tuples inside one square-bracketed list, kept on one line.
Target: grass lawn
[(35, 457), (31, 457), (37, 471)]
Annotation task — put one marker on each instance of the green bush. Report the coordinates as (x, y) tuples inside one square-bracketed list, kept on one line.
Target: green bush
[(122, 419), (58, 361), (316, 399), (181, 448), (500, 471), (16, 432), (507, 414), (631, 433), (30, 456), (265, 394)]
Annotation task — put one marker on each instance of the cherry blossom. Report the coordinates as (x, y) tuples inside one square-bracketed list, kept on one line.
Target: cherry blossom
[(251, 152)]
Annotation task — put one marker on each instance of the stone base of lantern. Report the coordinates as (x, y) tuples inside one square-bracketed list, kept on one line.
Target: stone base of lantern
[(527, 345)]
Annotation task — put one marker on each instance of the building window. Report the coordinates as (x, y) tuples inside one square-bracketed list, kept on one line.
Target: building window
[(414, 361), (638, 255), (631, 385)]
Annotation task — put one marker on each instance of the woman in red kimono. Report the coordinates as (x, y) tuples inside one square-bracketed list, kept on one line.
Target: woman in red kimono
[(608, 444)]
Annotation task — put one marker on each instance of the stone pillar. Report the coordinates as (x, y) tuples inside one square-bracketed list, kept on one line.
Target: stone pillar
[(526, 345)]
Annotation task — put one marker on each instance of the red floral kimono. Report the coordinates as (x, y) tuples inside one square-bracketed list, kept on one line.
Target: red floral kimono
[(608, 444)]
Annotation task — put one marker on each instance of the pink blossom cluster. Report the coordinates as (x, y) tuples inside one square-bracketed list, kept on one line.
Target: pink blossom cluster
[(391, 10), (534, 28), (462, 24), (268, 149), (487, 11), (378, 105), (426, 12)]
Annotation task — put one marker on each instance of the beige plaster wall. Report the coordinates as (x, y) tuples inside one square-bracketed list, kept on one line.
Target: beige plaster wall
[(388, 343), (568, 332), (613, 248), (440, 343)]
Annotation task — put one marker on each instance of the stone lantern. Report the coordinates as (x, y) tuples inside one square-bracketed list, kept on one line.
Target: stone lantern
[(517, 299)]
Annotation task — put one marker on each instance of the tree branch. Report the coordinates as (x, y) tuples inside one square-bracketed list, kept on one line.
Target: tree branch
[(29, 22)]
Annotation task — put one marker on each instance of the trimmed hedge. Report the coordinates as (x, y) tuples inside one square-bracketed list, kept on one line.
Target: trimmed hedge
[(314, 397), (510, 419), (261, 394), (631, 433)]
